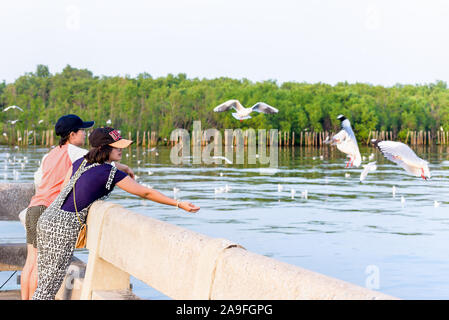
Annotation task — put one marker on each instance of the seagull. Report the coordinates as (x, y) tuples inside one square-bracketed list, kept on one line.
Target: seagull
[(242, 112), (222, 158), (346, 142), (304, 194), (13, 121), (109, 121), (370, 167), (40, 121), (12, 107), (402, 155), (280, 188)]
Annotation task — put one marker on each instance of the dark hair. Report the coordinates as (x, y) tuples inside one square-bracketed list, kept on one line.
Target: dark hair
[(65, 137), (98, 154)]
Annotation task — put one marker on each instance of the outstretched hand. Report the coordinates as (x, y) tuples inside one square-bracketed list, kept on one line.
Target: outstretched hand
[(189, 207)]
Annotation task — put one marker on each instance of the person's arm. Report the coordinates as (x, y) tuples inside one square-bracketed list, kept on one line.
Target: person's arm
[(129, 185), (67, 178), (124, 168)]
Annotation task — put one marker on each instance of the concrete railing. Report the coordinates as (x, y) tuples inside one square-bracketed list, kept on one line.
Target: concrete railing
[(183, 264)]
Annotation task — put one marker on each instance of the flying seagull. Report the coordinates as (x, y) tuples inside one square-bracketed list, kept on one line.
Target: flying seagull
[(12, 107), (222, 158), (370, 167), (346, 142), (242, 112), (402, 155)]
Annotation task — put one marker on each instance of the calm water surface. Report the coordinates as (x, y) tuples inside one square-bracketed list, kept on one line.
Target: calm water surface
[(357, 232)]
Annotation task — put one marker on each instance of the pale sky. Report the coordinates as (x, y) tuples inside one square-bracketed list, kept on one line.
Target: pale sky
[(377, 42)]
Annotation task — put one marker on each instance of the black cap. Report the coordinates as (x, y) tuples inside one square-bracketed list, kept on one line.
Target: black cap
[(71, 122), (107, 136)]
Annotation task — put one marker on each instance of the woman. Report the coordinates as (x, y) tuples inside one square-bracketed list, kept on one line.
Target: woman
[(92, 178), (49, 180)]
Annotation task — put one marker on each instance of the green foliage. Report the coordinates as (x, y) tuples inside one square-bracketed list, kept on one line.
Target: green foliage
[(163, 104)]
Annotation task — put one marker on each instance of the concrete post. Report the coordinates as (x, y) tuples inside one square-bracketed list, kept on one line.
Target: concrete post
[(100, 274)]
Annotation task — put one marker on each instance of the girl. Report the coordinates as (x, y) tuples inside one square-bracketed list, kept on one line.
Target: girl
[(91, 178)]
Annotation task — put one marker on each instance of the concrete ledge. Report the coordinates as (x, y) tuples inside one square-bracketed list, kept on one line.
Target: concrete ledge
[(241, 274), (14, 197), (10, 295), (187, 265), (114, 295), (12, 256)]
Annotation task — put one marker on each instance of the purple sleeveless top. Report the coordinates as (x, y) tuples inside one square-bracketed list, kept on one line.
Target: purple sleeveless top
[(91, 185)]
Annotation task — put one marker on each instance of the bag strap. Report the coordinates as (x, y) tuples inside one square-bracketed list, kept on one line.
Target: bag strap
[(74, 201)]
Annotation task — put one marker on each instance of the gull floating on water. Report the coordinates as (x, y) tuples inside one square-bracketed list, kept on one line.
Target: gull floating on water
[(436, 204), (12, 107), (242, 112), (402, 155), (293, 191), (346, 142), (226, 189), (304, 194), (280, 188), (370, 167)]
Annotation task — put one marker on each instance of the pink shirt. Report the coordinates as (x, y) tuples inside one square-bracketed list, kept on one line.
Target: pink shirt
[(54, 169)]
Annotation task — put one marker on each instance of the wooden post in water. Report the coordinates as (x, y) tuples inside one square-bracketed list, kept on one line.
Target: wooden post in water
[(137, 138), (293, 138)]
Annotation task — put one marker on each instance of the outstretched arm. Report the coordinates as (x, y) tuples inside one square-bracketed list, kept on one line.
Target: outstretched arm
[(129, 185)]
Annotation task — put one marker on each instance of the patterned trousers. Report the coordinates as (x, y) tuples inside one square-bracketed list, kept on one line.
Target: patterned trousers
[(57, 232)]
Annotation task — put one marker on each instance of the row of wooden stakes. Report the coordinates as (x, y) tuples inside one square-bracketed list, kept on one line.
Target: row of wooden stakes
[(286, 138)]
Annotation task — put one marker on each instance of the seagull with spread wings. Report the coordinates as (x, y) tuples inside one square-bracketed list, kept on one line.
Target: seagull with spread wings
[(346, 142), (402, 155), (242, 112), (12, 107)]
